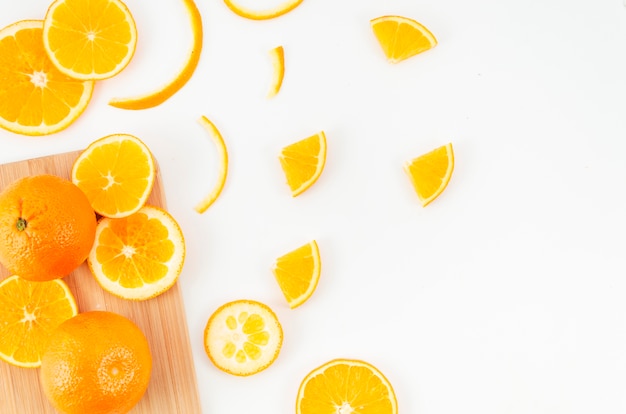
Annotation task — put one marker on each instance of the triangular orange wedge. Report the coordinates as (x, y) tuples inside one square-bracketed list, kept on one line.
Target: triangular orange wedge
[(431, 172), (401, 37), (303, 162), (298, 273)]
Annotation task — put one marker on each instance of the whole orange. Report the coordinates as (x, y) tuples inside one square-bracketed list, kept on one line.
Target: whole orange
[(47, 227), (97, 362)]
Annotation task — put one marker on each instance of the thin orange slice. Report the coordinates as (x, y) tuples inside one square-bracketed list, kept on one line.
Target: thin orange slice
[(140, 256), (116, 173), (346, 386), (298, 273), (303, 162), (431, 172), (223, 168), (252, 11), (157, 97), (30, 313), (243, 337), (35, 97), (401, 37), (277, 55), (89, 39)]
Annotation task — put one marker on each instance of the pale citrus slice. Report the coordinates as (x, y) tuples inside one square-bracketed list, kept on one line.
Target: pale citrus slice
[(298, 273), (346, 386), (116, 173), (163, 93), (267, 10), (89, 39), (35, 97), (31, 311), (223, 168), (277, 55), (140, 256), (243, 337), (431, 172), (401, 37), (303, 162)]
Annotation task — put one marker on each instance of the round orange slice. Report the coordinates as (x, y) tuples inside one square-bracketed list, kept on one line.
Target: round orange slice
[(430, 173), (243, 337), (116, 173), (30, 313), (401, 37), (35, 97), (303, 162), (277, 55), (139, 256), (223, 168), (346, 386), (250, 9), (89, 39), (298, 273)]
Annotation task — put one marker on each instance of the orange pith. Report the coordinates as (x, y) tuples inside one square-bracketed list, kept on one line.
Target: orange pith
[(298, 273), (430, 173), (30, 313), (303, 162), (402, 37), (35, 97), (242, 10)]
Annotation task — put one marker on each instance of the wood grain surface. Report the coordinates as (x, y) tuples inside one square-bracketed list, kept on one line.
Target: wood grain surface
[(173, 388)]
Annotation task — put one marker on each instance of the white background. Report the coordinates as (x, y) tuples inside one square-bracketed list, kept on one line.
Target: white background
[(506, 295)]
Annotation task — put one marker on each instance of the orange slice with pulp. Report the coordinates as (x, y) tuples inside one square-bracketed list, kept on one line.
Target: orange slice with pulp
[(401, 37), (430, 173), (298, 273), (303, 162)]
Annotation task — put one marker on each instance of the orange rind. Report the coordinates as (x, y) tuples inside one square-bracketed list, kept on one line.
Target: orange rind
[(207, 201)]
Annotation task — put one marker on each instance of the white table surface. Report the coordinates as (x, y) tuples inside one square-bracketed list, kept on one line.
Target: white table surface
[(505, 295)]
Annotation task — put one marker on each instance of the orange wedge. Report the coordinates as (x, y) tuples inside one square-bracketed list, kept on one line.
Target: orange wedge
[(140, 256), (116, 173), (303, 162), (223, 168), (35, 97), (346, 386), (31, 311), (401, 37), (277, 55), (431, 172), (243, 337), (252, 11), (298, 273), (89, 40), (152, 99)]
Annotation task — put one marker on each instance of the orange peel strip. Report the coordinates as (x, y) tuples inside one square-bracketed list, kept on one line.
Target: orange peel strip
[(223, 157), (159, 96), (264, 14), (278, 62)]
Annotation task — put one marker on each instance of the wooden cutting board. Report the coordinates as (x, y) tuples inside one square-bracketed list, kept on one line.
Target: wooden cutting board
[(173, 388)]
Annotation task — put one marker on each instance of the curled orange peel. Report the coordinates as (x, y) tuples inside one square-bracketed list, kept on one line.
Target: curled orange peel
[(159, 96), (203, 205), (262, 14), (277, 55)]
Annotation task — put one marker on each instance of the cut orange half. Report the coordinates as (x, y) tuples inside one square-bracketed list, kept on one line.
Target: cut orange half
[(89, 39), (35, 97), (140, 256), (277, 55), (223, 167), (346, 386), (243, 337), (157, 97), (116, 173), (401, 37), (303, 162), (269, 9), (298, 273), (31, 311), (430, 173)]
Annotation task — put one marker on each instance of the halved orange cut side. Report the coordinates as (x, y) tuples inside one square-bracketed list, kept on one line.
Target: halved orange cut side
[(269, 11), (223, 165), (35, 97), (298, 273), (303, 162), (277, 55), (162, 94), (401, 37), (430, 173), (31, 311)]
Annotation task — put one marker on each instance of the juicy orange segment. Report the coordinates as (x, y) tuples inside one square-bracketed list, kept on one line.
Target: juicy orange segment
[(35, 97), (431, 172), (89, 39), (160, 95), (139, 256), (303, 162), (346, 386), (116, 173), (270, 9), (30, 313), (298, 273), (277, 55), (401, 37), (243, 337), (223, 168)]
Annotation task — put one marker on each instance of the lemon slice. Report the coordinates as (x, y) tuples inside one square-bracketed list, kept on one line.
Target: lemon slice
[(223, 169), (277, 55), (269, 11)]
